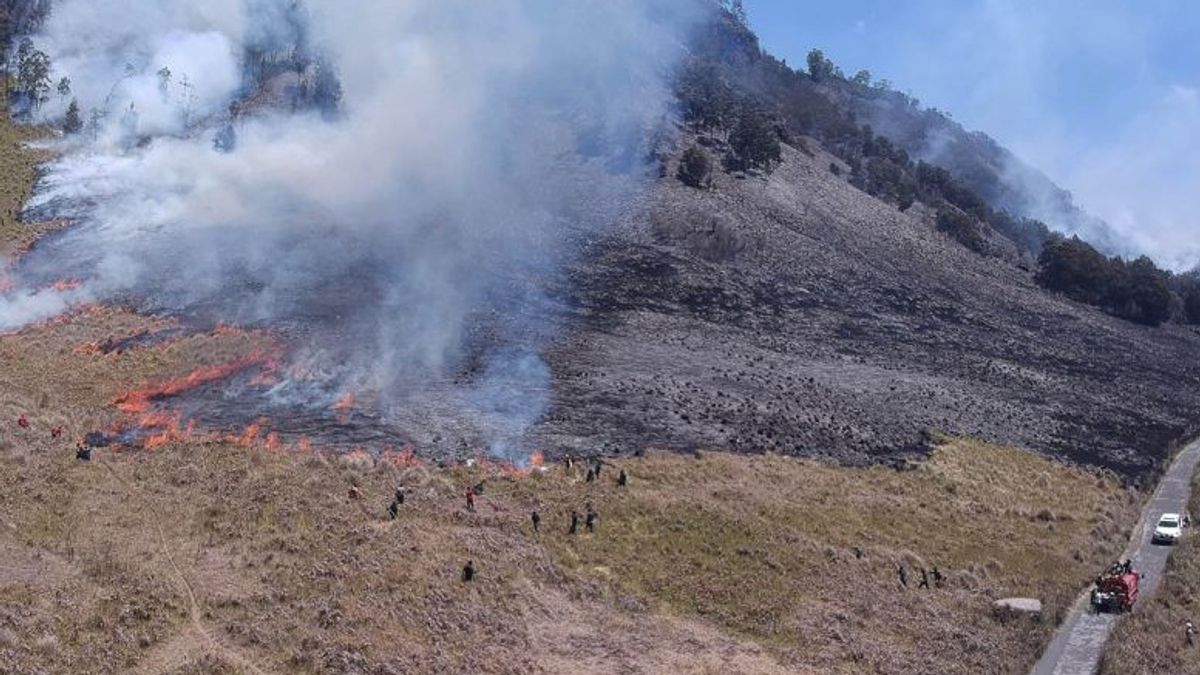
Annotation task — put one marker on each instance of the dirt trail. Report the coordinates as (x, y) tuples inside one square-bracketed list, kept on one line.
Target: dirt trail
[(1079, 642), (202, 640)]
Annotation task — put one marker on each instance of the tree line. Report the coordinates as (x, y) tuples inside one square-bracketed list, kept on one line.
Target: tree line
[(742, 102)]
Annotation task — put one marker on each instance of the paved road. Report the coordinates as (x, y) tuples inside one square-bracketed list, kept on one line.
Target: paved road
[(1079, 642)]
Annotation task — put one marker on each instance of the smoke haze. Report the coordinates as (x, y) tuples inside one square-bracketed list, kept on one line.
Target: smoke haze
[(399, 241)]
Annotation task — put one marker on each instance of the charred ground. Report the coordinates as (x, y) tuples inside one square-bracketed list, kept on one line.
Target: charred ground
[(793, 312)]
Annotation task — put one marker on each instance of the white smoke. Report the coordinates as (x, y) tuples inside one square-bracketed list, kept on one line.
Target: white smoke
[(476, 142)]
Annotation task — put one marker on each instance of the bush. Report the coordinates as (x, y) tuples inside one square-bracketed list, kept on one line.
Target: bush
[(695, 168), (755, 143), (962, 228)]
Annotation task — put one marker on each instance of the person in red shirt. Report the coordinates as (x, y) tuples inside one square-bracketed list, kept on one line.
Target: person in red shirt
[(22, 422), (470, 499)]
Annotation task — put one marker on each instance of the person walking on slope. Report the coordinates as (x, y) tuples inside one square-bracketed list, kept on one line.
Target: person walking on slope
[(536, 519), (1190, 631), (903, 575), (924, 579), (471, 499), (590, 519), (574, 522), (622, 479), (468, 573)]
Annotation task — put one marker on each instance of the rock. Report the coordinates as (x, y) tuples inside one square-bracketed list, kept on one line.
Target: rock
[(1028, 606)]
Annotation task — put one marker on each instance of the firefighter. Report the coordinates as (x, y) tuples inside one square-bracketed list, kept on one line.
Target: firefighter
[(83, 452), (471, 499), (355, 493), (903, 574), (1127, 567), (590, 519), (574, 522), (937, 577), (598, 463), (1190, 631), (591, 475), (924, 579), (622, 479), (23, 422), (536, 519), (468, 573), (399, 496), (393, 509)]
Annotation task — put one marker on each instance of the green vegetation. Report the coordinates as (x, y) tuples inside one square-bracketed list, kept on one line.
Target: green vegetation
[(733, 89), (1136, 290)]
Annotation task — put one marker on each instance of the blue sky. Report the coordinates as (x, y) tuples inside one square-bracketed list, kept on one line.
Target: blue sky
[(1104, 96)]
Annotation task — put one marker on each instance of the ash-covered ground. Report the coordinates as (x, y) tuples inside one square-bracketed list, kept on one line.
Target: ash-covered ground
[(798, 314), (791, 313)]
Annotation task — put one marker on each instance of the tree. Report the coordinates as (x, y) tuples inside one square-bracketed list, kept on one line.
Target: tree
[(33, 73), (708, 102), (94, 123), (755, 143), (962, 228), (72, 122), (819, 67), (164, 83), (64, 88), (187, 99), (695, 168), (862, 78)]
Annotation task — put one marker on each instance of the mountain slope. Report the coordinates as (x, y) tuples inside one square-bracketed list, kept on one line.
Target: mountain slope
[(795, 312)]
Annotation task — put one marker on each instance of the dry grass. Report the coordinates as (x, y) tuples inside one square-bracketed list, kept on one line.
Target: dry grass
[(215, 559), (17, 166), (713, 564), (1152, 639)]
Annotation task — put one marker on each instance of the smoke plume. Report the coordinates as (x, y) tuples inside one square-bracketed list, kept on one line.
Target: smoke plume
[(391, 185)]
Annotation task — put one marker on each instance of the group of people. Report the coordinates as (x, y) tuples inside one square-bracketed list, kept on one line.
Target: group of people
[(936, 575), (83, 450), (590, 517)]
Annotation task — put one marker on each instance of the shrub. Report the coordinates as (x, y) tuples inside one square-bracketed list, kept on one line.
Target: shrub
[(962, 228), (755, 143), (695, 168)]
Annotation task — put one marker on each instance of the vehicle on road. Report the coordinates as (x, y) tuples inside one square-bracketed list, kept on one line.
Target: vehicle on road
[(1169, 529), (1116, 590)]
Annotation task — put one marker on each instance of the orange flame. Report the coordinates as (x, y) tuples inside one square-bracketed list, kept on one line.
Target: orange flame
[(138, 400), (65, 284)]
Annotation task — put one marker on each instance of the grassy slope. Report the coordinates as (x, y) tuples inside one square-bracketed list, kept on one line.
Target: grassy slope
[(1152, 639), (210, 558), (17, 165), (712, 564)]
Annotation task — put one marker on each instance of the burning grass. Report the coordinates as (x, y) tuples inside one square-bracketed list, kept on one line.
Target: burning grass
[(720, 563), (1153, 639)]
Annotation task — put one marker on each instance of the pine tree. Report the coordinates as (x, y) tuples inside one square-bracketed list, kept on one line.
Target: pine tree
[(73, 122)]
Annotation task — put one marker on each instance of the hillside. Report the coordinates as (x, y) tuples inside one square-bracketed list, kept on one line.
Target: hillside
[(818, 360), (794, 312), (231, 556)]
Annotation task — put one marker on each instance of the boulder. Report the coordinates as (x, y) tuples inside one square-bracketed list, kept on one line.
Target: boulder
[(1027, 606)]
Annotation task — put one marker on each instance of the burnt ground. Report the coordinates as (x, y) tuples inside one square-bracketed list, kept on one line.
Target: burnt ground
[(790, 312), (796, 313)]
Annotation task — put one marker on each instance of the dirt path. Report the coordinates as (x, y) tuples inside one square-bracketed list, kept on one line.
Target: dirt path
[(181, 644), (1079, 641)]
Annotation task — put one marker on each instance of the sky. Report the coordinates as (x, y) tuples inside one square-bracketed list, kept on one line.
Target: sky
[(1102, 95)]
